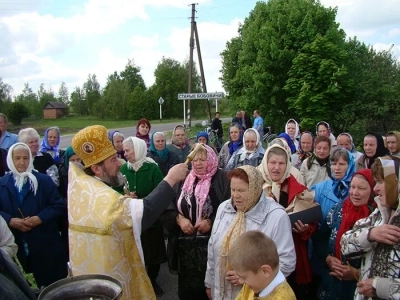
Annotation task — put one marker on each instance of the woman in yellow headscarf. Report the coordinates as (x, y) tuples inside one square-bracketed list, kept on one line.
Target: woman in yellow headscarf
[(247, 209)]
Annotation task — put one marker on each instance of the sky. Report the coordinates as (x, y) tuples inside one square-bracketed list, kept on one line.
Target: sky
[(53, 41)]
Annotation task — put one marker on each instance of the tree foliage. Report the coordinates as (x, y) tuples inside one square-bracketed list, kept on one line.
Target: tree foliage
[(16, 112)]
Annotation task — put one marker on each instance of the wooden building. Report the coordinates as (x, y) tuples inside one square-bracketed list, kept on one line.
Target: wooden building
[(54, 110)]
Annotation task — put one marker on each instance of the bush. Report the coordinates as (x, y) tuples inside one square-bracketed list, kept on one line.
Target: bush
[(16, 112)]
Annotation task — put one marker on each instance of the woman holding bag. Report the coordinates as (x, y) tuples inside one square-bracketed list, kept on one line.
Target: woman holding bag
[(192, 215)]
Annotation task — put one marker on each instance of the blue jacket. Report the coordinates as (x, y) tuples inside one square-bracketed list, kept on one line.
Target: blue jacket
[(8, 140), (48, 261), (325, 197)]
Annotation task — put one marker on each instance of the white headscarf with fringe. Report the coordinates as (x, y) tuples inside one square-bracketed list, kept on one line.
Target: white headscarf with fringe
[(21, 178), (140, 149)]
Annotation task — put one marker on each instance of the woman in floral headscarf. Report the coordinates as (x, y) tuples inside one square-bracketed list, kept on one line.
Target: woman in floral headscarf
[(281, 185), (31, 206), (193, 212), (248, 209), (377, 236), (305, 149)]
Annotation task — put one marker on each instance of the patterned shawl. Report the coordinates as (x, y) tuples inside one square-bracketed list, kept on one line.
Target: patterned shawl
[(302, 155), (175, 142), (202, 187), (20, 178), (238, 225), (139, 146), (272, 188), (45, 147)]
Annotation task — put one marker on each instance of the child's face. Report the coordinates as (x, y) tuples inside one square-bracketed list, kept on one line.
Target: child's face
[(256, 281)]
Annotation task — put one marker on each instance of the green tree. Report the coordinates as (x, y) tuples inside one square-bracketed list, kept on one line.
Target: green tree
[(115, 98), (16, 112), (5, 95), (63, 94), (30, 100), (92, 94), (78, 104), (131, 74), (45, 95), (256, 65)]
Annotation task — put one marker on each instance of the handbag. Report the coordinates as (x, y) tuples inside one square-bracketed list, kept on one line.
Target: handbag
[(192, 260), (304, 208)]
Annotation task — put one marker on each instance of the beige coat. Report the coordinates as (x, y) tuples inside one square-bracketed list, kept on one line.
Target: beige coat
[(315, 174)]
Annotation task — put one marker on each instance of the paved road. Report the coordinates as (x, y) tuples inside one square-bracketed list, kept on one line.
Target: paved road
[(131, 131)]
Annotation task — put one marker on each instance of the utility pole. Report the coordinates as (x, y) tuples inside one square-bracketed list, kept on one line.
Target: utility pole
[(193, 31)]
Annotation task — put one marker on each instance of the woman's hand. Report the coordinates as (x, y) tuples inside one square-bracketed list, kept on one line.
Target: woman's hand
[(386, 234), (336, 266), (233, 278), (203, 226), (133, 195), (365, 288), (299, 227), (20, 224), (208, 292), (33, 221), (185, 225)]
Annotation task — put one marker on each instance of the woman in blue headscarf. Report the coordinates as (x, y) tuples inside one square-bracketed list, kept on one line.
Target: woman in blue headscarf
[(289, 141), (51, 144), (116, 139), (235, 143), (160, 154)]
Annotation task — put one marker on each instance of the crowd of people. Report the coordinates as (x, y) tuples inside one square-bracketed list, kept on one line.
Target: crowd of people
[(220, 218)]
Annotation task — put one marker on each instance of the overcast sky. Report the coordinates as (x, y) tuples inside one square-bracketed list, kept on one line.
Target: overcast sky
[(50, 41)]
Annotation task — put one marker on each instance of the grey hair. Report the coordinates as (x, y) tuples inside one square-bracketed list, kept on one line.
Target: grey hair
[(128, 142), (117, 133), (27, 133), (4, 117), (339, 153), (159, 133), (54, 128), (237, 125)]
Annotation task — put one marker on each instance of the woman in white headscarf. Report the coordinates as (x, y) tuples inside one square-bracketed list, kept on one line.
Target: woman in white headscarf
[(293, 130), (250, 154), (143, 175), (31, 206)]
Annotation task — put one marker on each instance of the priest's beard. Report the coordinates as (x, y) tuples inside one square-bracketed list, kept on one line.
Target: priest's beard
[(112, 180)]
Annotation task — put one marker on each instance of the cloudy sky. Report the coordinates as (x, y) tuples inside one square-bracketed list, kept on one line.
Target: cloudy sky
[(50, 41)]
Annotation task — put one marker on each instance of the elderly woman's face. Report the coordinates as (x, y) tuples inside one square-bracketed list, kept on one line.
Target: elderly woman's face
[(391, 143), (323, 130), (75, 158), (180, 136), (250, 140), (370, 145), (202, 140), (33, 144), (380, 192), (159, 142), (117, 140), (339, 168), (52, 137), (291, 130), (234, 133), (129, 153), (360, 191), (276, 167), (239, 193), (306, 142), (199, 163), (20, 159)]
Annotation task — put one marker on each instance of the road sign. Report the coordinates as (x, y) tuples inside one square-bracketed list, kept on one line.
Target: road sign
[(217, 95), (161, 100)]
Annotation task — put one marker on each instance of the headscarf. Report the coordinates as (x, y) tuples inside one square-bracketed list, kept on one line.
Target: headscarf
[(234, 145), (45, 147), (297, 128), (139, 146), (341, 187), (146, 137), (21, 178), (175, 142), (164, 153), (202, 187), (302, 155), (202, 134), (353, 147), (326, 124), (397, 136), (273, 188), (245, 150), (381, 150), (289, 141), (351, 213), (67, 155), (391, 173), (111, 134), (238, 225)]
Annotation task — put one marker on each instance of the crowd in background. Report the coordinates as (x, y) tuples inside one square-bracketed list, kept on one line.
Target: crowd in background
[(234, 187)]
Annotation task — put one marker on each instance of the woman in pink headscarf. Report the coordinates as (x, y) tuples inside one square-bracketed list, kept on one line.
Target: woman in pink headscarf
[(192, 214)]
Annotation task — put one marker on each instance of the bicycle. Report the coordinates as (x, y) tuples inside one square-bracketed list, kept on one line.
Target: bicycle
[(268, 137), (213, 140)]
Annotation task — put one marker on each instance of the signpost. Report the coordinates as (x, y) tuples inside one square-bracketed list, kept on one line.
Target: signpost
[(161, 101), (194, 96)]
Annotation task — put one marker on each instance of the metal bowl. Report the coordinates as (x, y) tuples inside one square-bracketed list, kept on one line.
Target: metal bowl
[(84, 287)]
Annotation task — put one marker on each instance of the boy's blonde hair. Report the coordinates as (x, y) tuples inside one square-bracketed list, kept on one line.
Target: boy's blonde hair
[(251, 250)]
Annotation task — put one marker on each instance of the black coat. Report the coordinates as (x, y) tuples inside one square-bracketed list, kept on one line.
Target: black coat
[(164, 165)]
